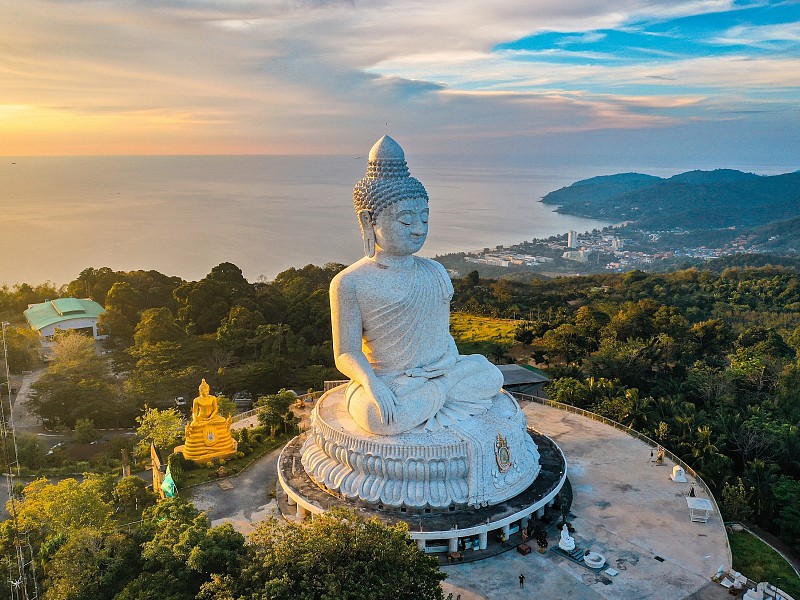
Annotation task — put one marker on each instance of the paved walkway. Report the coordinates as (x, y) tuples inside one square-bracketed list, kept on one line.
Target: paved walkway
[(243, 500), (24, 420), (627, 509)]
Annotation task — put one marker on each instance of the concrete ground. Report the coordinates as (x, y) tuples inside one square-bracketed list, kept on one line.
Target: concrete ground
[(626, 508), (243, 500)]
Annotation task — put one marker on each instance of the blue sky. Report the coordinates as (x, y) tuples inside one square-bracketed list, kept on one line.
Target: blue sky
[(700, 82), (757, 28)]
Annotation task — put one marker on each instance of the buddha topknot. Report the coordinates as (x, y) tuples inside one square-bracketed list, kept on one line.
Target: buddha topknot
[(387, 180)]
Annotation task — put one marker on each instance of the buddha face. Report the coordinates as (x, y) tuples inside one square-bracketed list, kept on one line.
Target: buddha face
[(401, 228)]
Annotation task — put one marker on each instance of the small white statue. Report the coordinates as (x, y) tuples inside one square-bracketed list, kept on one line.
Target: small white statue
[(566, 543), (678, 474)]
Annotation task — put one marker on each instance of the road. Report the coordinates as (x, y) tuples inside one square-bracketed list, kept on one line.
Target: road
[(25, 422), (250, 499)]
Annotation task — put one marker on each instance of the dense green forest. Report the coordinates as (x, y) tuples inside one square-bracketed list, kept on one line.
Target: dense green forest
[(703, 361), (91, 542), (166, 334)]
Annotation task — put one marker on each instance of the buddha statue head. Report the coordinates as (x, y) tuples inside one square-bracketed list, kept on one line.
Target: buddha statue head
[(389, 193), (205, 389)]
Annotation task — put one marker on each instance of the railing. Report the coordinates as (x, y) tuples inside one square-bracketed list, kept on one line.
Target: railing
[(329, 385), (253, 412), (639, 436)]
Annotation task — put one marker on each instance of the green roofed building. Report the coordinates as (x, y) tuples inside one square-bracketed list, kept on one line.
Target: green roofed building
[(65, 313)]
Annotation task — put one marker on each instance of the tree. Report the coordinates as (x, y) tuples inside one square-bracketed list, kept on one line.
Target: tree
[(736, 501), (122, 313), (472, 279), (712, 336), (564, 341), (205, 303), (91, 563), (30, 452), (226, 406), (338, 555), (786, 495), (182, 552), (157, 325), (23, 348), (131, 493), (524, 334), (77, 384), (164, 428), (93, 283), (237, 332), (85, 431), (630, 360), (49, 510), (273, 409)]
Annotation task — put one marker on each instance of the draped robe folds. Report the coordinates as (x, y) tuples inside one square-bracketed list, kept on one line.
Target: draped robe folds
[(408, 335)]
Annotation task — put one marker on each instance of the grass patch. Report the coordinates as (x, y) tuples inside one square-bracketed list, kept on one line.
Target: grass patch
[(482, 335), (470, 328), (759, 562)]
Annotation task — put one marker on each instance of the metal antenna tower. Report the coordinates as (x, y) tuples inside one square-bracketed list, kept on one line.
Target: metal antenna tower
[(21, 567)]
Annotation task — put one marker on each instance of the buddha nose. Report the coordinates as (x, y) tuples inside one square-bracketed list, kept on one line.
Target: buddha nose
[(418, 227)]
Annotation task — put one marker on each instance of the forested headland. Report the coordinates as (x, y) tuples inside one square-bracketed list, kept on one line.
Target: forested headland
[(695, 199)]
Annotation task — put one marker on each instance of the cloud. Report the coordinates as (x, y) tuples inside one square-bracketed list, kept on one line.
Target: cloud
[(314, 76), (761, 36)]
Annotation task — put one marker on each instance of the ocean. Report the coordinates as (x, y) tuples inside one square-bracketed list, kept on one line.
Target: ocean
[(182, 215)]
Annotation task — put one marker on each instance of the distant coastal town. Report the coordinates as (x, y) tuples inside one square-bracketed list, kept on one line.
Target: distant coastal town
[(613, 249)]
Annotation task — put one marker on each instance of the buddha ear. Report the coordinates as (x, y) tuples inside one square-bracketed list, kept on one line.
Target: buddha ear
[(367, 232)]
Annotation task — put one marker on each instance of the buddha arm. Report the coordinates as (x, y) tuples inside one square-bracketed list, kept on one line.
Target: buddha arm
[(347, 352)]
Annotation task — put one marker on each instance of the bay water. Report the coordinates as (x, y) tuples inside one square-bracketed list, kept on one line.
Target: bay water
[(182, 215)]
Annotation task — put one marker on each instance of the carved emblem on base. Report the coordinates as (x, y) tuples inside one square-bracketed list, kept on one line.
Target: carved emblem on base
[(503, 454)]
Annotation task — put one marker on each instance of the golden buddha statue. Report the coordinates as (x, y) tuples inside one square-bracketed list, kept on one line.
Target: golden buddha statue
[(208, 435)]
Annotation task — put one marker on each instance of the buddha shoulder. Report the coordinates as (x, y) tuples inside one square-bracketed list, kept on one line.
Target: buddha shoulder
[(361, 273)]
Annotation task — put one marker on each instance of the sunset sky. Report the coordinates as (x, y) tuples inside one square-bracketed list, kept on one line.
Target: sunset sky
[(716, 81)]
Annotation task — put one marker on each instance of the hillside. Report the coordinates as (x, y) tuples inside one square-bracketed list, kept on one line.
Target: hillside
[(691, 200)]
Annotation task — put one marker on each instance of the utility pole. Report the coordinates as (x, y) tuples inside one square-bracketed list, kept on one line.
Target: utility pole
[(22, 576)]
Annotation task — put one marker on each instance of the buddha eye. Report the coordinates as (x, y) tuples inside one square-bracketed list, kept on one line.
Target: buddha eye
[(406, 218), (424, 216)]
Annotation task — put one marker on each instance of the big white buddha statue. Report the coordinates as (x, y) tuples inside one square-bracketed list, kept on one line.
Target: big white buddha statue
[(418, 425), (391, 315)]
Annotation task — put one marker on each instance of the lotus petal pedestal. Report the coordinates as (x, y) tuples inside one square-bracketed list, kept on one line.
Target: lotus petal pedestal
[(480, 461)]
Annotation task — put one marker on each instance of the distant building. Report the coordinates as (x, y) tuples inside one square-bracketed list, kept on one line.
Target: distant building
[(581, 256), (572, 239), (79, 314)]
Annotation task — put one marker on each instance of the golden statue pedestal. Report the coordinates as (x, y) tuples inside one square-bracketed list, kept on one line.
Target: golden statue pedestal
[(208, 436)]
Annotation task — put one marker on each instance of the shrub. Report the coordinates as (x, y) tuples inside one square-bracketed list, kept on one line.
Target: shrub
[(178, 466), (85, 431)]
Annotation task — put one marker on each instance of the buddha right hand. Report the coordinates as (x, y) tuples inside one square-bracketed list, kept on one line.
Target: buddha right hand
[(384, 399)]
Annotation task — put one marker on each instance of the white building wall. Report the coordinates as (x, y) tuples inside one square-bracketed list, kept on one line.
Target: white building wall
[(78, 323)]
